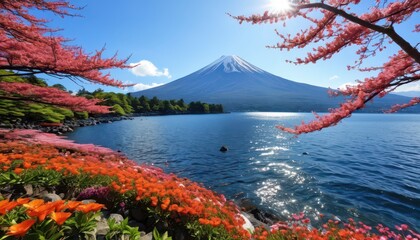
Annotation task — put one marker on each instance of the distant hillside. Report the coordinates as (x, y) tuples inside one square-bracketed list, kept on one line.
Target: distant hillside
[(409, 94), (241, 86)]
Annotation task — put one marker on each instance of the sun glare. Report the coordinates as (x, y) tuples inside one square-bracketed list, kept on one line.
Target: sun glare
[(279, 5)]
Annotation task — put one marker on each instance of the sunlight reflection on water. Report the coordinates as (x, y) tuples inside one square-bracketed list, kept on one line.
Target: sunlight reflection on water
[(276, 148), (268, 190), (270, 115)]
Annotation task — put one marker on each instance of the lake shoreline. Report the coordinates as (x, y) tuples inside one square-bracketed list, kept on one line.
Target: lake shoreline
[(70, 125), (66, 126)]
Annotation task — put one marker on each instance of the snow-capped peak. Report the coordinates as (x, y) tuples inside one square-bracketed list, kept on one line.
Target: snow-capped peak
[(230, 64)]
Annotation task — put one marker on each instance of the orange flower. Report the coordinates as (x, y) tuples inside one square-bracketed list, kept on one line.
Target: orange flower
[(203, 221), (154, 201), (34, 204), (173, 207), (215, 221), (3, 202), (90, 207), (71, 205), (39, 214), (7, 206), (60, 217), (165, 203), (42, 211), (22, 200), (18, 170), (180, 209), (26, 165), (21, 228), (59, 205)]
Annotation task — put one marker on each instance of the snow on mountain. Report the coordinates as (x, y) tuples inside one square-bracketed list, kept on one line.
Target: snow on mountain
[(230, 64), (241, 86)]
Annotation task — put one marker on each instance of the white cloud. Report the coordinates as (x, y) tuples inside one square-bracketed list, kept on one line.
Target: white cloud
[(146, 68), (335, 77), (409, 87), (141, 86), (344, 85)]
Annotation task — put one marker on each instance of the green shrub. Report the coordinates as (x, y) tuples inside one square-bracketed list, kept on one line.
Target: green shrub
[(118, 110)]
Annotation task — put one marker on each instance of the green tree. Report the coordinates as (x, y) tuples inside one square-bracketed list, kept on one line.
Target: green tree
[(154, 104), (59, 86), (168, 107), (205, 107), (118, 110), (182, 105), (145, 104)]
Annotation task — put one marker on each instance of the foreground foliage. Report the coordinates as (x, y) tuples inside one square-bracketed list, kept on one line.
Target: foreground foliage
[(119, 185)]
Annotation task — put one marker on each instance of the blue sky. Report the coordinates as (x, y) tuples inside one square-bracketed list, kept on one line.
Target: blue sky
[(180, 37)]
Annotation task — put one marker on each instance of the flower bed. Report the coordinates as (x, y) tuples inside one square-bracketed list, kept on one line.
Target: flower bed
[(69, 168), (118, 185)]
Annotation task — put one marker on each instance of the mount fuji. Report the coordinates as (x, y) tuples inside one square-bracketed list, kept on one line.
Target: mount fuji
[(241, 86)]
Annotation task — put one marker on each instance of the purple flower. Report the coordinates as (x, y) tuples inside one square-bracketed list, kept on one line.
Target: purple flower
[(94, 193)]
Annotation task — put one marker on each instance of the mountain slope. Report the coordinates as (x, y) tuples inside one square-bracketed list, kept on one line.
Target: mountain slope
[(241, 86), (409, 93)]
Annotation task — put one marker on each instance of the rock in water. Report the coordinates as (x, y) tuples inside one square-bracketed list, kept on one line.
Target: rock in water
[(224, 148)]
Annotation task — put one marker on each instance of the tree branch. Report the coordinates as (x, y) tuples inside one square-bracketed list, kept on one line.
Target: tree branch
[(389, 31)]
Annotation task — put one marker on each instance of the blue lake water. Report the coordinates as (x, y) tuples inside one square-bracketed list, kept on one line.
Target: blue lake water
[(367, 168)]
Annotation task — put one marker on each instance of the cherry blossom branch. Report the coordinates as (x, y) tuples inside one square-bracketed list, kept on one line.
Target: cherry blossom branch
[(26, 45), (50, 96), (371, 31), (389, 31), (398, 107)]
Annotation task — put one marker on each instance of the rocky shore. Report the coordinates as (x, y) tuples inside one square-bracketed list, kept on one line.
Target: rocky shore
[(66, 126)]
